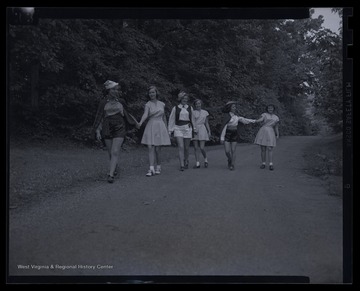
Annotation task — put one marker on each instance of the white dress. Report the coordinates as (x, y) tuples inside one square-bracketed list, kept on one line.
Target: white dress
[(266, 134), (155, 132), (200, 118)]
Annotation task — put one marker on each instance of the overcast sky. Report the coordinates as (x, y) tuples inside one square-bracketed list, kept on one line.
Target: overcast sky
[(331, 20)]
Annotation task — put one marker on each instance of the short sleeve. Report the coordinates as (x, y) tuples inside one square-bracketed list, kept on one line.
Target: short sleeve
[(147, 105), (206, 114)]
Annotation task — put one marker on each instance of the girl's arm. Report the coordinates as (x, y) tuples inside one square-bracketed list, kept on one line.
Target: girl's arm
[(99, 117), (98, 130), (171, 124), (145, 115), (225, 120), (277, 130), (133, 121), (207, 126), (222, 135), (261, 119), (193, 120), (165, 121), (246, 120)]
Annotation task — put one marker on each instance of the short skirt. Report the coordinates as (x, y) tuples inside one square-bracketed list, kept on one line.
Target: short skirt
[(113, 126), (184, 131), (231, 135)]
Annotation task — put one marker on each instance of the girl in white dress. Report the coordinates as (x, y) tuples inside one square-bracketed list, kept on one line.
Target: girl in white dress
[(267, 135), (203, 132), (155, 134)]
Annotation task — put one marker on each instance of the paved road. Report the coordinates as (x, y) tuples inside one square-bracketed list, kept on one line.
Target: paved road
[(199, 222)]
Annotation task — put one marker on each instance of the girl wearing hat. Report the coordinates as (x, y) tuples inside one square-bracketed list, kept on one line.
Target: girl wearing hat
[(155, 134), (182, 124), (110, 124), (267, 135), (229, 131), (203, 132)]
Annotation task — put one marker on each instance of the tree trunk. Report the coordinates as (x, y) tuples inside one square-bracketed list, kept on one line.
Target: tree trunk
[(35, 86)]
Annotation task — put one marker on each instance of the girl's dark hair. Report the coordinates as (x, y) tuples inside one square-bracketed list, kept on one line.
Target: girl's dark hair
[(270, 105), (197, 100), (156, 90), (227, 108)]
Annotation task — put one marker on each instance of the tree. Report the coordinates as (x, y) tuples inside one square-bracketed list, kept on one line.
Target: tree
[(255, 62)]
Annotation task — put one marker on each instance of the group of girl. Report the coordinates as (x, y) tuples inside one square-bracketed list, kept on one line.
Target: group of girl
[(185, 123)]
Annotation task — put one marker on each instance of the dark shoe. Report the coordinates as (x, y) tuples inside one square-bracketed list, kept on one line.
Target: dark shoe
[(262, 166), (196, 167), (229, 163), (181, 169), (206, 164), (271, 168), (111, 179)]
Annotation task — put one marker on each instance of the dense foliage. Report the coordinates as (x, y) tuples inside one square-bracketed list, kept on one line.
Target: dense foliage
[(57, 69)]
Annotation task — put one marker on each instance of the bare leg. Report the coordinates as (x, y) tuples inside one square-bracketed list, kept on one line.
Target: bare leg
[(196, 150), (115, 151), (202, 148), (180, 144), (158, 155), (228, 152), (186, 150), (151, 155), (108, 143), (270, 153), (233, 153), (263, 154)]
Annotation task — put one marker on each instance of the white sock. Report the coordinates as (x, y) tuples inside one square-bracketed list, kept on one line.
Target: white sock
[(264, 163), (197, 163), (158, 168), (270, 164), (152, 168), (205, 160)]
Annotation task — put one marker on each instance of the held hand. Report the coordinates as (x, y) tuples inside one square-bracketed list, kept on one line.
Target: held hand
[(277, 136), (138, 125)]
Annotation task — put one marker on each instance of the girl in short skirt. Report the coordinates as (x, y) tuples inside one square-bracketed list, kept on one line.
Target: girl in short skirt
[(182, 124), (110, 124), (229, 131)]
